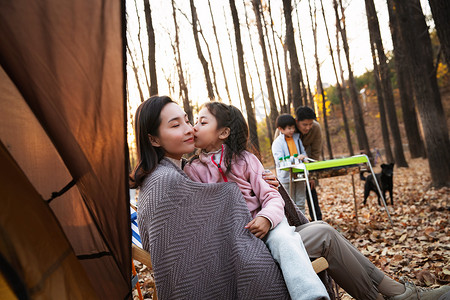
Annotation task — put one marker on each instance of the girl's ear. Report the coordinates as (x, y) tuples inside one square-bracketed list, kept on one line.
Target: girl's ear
[(225, 133), (154, 141)]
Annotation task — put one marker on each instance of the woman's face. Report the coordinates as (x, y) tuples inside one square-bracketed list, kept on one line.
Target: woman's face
[(175, 133), (207, 136)]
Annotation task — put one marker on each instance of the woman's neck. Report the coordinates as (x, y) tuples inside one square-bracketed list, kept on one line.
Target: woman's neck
[(176, 161)]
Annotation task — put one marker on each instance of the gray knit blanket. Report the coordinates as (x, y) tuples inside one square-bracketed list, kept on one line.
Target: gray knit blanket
[(197, 241)]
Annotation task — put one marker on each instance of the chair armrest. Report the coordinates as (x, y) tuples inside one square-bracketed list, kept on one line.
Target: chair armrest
[(141, 255), (320, 264)]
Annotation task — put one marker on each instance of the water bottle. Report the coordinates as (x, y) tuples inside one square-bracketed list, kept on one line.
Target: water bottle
[(287, 160)]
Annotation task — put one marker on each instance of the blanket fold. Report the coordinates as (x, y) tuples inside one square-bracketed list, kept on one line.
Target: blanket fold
[(196, 237)]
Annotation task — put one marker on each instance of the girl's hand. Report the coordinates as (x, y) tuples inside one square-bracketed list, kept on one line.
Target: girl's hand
[(270, 179), (259, 226)]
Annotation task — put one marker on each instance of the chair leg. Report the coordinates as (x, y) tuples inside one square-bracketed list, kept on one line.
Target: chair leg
[(138, 286)]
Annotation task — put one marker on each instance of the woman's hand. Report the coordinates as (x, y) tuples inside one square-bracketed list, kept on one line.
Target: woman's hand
[(259, 226), (270, 179)]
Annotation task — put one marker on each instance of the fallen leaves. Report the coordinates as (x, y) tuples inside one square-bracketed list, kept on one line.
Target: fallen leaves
[(418, 245)]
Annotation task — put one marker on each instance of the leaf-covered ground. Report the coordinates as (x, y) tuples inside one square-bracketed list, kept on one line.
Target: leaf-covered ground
[(416, 247)]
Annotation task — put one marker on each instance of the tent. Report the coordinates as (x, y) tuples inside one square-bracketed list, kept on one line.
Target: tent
[(64, 214)]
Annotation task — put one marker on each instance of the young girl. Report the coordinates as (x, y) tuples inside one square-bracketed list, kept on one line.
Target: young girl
[(222, 134)]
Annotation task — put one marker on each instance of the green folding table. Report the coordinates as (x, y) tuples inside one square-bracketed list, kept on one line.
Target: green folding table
[(343, 164)]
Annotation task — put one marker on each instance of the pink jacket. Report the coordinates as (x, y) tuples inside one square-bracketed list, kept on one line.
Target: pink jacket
[(262, 200)]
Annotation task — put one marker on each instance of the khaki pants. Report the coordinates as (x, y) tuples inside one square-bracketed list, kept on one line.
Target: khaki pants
[(347, 266)]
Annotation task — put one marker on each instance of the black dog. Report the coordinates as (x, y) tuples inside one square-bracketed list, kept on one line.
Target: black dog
[(384, 180)]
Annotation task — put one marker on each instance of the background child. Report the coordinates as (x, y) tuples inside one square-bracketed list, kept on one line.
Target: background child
[(288, 143), (222, 135)]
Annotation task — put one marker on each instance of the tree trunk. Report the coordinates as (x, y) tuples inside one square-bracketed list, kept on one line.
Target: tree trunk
[(268, 71), (151, 49), (144, 69), (441, 12), (357, 111), (233, 59), (213, 71), (202, 59), (289, 82), (282, 99), (381, 105), (338, 85), (319, 79), (308, 89), (136, 75), (220, 52), (266, 33), (414, 32), (296, 75), (268, 123), (375, 37), (184, 93), (248, 103), (341, 70), (415, 142)]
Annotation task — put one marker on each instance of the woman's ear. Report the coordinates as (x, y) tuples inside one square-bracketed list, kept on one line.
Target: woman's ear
[(225, 133), (154, 140)]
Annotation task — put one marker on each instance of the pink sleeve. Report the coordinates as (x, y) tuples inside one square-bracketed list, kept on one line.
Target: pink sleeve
[(191, 172), (272, 204)]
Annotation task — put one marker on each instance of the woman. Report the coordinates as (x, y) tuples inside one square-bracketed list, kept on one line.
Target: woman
[(179, 218)]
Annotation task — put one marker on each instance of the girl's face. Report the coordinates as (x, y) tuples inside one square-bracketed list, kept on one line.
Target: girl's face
[(207, 136), (175, 133)]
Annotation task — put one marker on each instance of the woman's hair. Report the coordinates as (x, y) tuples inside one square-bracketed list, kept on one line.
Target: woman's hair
[(231, 117), (147, 121)]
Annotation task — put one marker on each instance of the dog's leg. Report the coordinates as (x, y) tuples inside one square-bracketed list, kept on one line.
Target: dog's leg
[(366, 193)]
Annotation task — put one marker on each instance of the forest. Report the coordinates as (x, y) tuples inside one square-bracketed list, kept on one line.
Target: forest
[(268, 57), (374, 71)]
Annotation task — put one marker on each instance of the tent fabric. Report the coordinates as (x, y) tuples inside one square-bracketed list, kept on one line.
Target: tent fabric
[(63, 118), (33, 243)]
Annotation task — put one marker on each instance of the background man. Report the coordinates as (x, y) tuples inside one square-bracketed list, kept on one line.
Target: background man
[(311, 136)]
